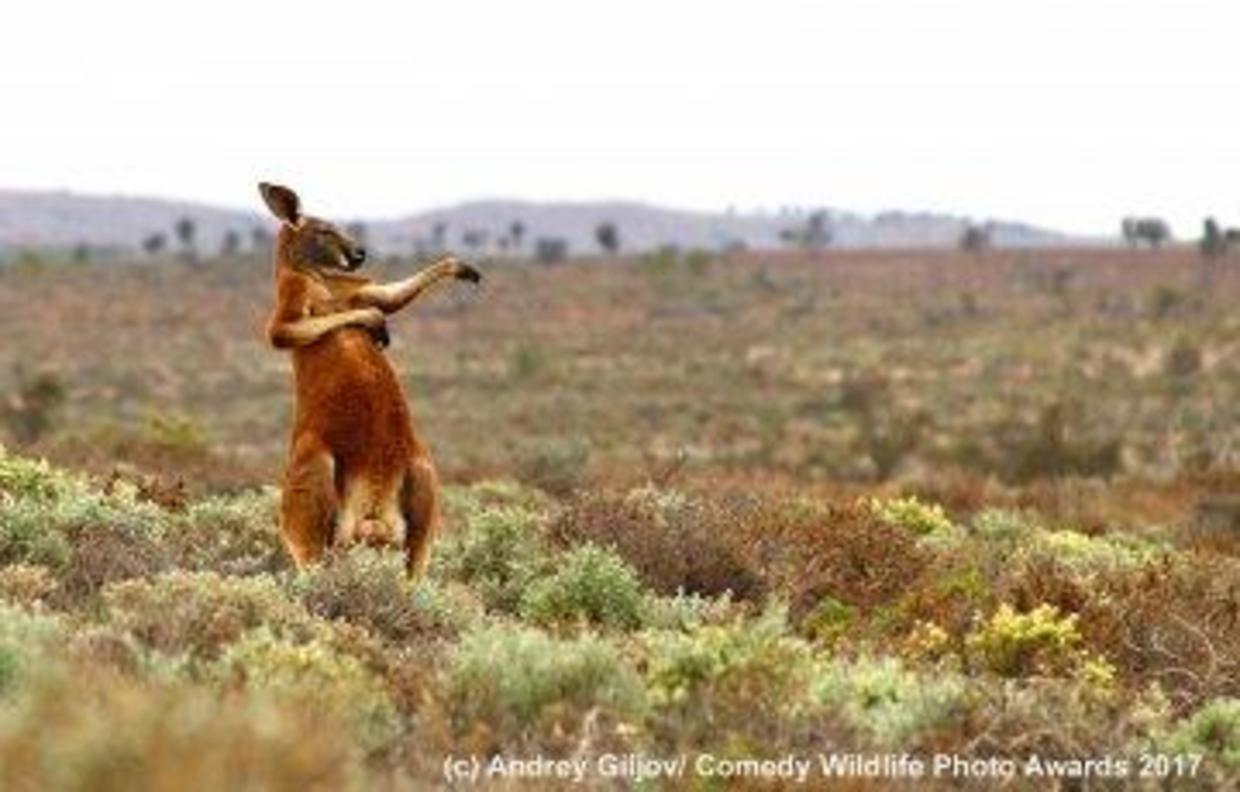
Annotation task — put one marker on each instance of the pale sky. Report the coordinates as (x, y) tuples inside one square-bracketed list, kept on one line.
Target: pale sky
[(1067, 114)]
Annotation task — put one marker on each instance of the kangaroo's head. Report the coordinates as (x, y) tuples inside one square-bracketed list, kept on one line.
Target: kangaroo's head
[(307, 242)]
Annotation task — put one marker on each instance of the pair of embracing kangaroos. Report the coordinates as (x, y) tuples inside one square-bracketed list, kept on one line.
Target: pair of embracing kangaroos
[(356, 470)]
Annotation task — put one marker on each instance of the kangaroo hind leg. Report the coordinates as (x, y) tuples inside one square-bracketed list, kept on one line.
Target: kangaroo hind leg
[(308, 504), (419, 504)]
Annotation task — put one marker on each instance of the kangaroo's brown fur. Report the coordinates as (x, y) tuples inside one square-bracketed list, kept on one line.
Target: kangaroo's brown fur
[(356, 469)]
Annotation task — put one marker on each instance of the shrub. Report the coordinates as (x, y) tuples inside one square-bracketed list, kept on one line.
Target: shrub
[(841, 551), (675, 543), (462, 504), (25, 640), (911, 514), (313, 674), (24, 584), (830, 620), (233, 534), (32, 410), (369, 588), (891, 705), (87, 537), (1002, 525), (199, 613), (557, 465), (725, 670), (1019, 644), (590, 584), (82, 732), (1213, 731), (497, 552), (688, 612), (27, 538), (21, 477), (1084, 554), (507, 677)]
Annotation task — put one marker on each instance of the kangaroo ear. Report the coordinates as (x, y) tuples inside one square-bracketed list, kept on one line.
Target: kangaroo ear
[(282, 202)]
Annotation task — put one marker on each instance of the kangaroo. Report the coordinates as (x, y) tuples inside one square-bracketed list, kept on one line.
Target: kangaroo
[(356, 470)]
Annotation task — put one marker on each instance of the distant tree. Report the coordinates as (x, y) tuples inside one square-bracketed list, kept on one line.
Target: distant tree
[(818, 233), (81, 252), (187, 234), (549, 250), (474, 239), (1154, 231), (155, 243), (608, 237), (439, 235), (230, 245), (975, 238), (1213, 241), (260, 239), (516, 230), (814, 234)]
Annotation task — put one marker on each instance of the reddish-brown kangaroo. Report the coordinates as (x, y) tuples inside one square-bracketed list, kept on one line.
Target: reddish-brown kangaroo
[(356, 471)]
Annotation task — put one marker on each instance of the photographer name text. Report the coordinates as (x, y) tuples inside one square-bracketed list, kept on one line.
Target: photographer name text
[(637, 767)]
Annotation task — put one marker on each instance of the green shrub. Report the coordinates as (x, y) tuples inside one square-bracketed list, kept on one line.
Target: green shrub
[(369, 588), (233, 534), (1085, 554), (590, 584), (26, 639), (1003, 525), (21, 477), (911, 514), (1213, 731), (498, 553), (687, 612), (508, 677), (1038, 642), (314, 674), (199, 613), (462, 504), (86, 536), (727, 667), (830, 620), (891, 705), (27, 537)]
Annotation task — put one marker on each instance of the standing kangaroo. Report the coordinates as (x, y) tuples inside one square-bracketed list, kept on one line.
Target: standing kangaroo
[(356, 470)]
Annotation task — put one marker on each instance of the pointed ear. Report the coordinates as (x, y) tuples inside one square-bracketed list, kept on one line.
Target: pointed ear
[(282, 202)]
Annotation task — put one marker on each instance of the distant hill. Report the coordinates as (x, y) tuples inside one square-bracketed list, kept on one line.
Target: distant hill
[(30, 219)]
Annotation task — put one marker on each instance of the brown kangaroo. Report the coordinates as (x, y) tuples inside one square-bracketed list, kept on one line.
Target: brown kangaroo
[(356, 469)]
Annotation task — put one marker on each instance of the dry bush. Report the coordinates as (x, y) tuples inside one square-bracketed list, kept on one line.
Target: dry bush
[(803, 552), (369, 589), (199, 613), (675, 543), (841, 551), (109, 551)]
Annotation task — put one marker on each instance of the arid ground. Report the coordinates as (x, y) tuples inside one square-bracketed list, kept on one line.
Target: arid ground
[(745, 505)]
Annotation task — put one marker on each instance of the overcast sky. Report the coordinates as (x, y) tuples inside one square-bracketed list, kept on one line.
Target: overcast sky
[(1067, 114)]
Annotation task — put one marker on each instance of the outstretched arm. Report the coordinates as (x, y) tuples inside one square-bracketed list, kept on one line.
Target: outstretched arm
[(391, 297)]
